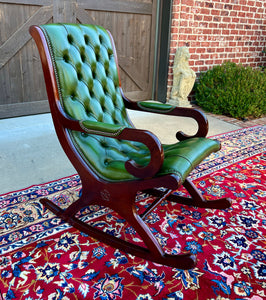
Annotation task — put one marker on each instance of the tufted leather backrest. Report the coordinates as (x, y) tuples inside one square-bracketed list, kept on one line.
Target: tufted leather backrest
[(86, 72), (84, 61)]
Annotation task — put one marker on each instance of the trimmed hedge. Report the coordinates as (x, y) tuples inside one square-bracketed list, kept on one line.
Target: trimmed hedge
[(233, 90)]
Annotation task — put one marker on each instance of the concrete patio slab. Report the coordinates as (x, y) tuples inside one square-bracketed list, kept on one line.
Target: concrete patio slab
[(31, 154)]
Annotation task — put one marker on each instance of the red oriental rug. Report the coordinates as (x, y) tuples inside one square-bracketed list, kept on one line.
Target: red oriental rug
[(42, 257)]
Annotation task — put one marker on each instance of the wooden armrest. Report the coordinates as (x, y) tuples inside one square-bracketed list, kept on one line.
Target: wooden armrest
[(161, 108), (123, 133)]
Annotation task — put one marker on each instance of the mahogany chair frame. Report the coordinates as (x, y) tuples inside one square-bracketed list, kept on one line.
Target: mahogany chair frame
[(121, 196)]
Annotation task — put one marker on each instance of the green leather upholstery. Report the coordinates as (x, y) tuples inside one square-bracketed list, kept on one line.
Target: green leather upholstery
[(155, 106), (88, 82)]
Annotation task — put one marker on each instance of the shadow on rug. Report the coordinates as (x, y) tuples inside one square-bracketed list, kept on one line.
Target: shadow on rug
[(44, 258)]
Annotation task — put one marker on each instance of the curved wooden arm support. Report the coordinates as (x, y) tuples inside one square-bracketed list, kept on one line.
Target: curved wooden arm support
[(155, 148), (167, 109), (198, 116), (123, 133)]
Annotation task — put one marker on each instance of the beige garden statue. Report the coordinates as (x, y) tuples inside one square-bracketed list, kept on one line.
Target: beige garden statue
[(184, 79)]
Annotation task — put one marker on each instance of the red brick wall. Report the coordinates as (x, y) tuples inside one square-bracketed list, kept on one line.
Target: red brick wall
[(218, 30)]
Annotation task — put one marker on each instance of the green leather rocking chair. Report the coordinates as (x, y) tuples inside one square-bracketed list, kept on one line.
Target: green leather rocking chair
[(114, 159)]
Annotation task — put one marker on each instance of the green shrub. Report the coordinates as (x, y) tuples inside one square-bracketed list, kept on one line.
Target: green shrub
[(233, 90)]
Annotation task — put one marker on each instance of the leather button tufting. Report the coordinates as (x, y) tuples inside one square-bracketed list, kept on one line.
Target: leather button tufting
[(100, 118), (110, 52), (107, 161), (89, 80), (114, 98), (106, 66), (103, 143), (79, 76), (83, 57), (104, 85), (70, 38), (90, 84), (97, 55), (93, 66), (88, 112), (87, 39), (97, 49), (66, 57), (102, 101), (84, 134)]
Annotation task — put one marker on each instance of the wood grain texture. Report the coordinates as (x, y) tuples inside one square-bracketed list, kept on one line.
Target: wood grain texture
[(132, 23)]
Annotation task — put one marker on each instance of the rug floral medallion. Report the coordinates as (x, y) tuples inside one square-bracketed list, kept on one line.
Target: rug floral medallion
[(42, 257)]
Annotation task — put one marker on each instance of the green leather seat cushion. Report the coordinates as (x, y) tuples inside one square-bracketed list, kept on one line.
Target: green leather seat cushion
[(107, 156)]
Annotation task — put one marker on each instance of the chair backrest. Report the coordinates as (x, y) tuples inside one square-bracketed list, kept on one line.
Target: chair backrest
[(85, 68), (87, 77)]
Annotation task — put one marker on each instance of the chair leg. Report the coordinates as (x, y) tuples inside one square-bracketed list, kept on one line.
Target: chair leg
[(160, 197), (155, 252), (197, 198)]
